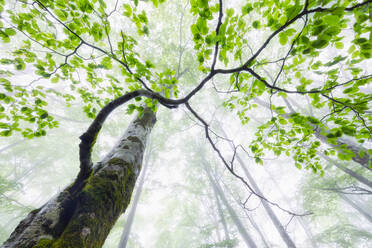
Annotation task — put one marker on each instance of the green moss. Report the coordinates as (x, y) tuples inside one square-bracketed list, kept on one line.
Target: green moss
[(104, 197), (43, 243), (118, 161), (135, 139)]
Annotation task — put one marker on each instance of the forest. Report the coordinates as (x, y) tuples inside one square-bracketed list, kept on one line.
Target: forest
[(185, 123)]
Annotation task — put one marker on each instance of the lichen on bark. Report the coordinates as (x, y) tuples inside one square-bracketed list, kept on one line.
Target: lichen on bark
[(83, 217)]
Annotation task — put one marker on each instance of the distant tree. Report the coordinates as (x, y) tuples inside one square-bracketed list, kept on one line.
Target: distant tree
[(329, 198)]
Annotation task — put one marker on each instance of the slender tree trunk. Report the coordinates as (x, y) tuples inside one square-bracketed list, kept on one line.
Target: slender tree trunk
[(217, 228), (356, 207), (357, 150), (239, 225), (220, 213), (11, 145), (302, 223), (257, 228), (351, 173), (128, 224), (84, 217), (279, 227)]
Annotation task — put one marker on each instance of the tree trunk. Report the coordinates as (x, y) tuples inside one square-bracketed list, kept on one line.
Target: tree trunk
[(11, 145), (357, 150), (83, 217), (128, 224), (351, 173), (257, 228), (220, 213), (279, 227), (302, 222), (356, 207), (239, 225)]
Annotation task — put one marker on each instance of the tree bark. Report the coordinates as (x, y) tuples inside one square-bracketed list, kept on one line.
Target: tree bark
[(128, 224), (239, 225), (279, 227), (84, 216)]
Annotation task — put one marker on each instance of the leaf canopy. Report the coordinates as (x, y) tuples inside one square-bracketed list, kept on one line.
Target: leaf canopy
[(314, 51)]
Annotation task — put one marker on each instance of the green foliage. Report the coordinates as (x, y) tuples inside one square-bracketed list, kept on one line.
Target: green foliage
[(343, 235), (225, 243), (329, 210), (23, 105), (117, 65), (343, 102)]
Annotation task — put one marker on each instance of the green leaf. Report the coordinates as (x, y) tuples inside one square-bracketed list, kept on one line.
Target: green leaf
[(319, 43), (313, 120), (55, 80), (332, 20), (283, 38), (339, 45), (96, 31), (246, 9), (44, 115), (10, 31), (128, 10), (229, 12), (360, 41), (6, 133), (155, 2), (335, 60), (62, 15), (200, 58), (283, 121), (258, 160), (256, 24), (19, 64), (298, 166), (348, 130)]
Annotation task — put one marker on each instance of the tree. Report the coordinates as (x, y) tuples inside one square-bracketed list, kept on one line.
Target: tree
[(218, 191), (331, 202), (79, 45), (128, 224), (283, 233)]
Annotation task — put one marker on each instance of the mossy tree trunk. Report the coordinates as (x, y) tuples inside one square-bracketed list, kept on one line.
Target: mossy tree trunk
[(84, 216), (131, 214)]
